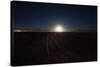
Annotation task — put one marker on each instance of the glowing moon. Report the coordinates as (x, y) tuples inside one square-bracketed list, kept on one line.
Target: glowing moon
[(59, 28)]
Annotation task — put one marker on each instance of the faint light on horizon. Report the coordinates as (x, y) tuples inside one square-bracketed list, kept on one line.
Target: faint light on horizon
[(18, 30)]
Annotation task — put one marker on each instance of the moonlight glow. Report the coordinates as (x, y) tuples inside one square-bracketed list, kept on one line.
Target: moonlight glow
[(59, 28)]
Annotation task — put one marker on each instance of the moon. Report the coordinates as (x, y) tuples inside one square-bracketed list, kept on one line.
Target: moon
[(58, 28)]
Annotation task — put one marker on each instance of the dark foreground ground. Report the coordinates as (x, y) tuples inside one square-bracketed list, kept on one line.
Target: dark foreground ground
[(34, 48)]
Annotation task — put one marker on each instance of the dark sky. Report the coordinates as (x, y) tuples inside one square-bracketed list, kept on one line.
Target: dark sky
[(41, 15)]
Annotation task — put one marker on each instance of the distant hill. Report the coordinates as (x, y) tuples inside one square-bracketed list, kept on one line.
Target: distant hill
[(27, 29)]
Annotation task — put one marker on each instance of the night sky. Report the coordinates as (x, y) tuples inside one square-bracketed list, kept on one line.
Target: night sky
[(46, 16)]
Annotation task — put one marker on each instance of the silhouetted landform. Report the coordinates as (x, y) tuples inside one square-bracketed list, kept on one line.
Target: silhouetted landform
[(34, 48), (86, 30), (29, 29)]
